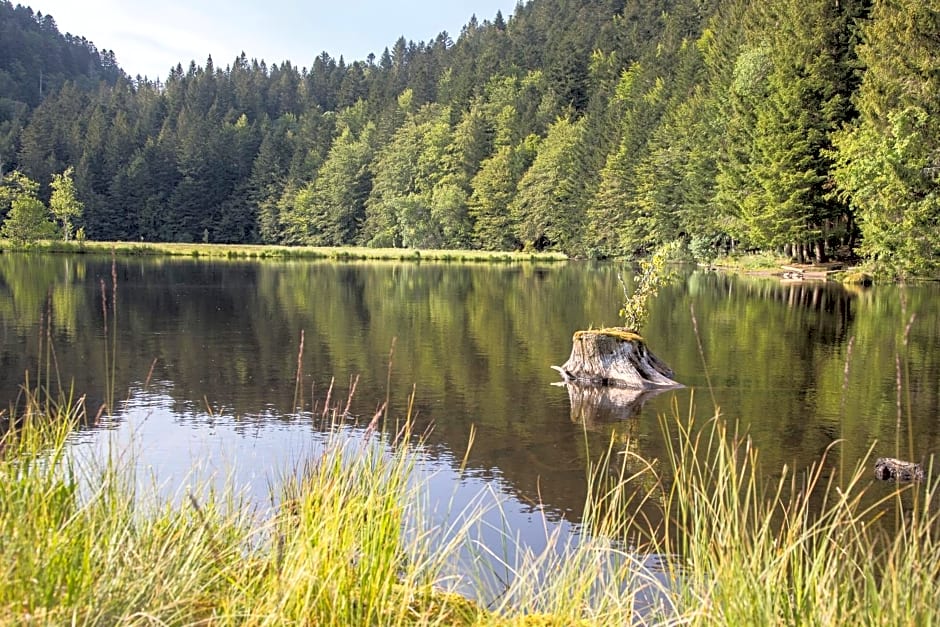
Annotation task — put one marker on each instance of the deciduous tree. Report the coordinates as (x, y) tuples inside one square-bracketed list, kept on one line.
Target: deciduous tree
[(63, 204), (27, 219)]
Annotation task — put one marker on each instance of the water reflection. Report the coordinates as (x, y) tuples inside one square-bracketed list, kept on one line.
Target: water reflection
[(219, 343), (596, 405), (174, 452)]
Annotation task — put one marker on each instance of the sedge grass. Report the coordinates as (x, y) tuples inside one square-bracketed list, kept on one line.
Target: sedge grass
[(82, 546), (806, 548), (348, 544)]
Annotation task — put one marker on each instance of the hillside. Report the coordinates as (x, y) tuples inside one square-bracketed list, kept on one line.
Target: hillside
[(37, 60), (593, 127)]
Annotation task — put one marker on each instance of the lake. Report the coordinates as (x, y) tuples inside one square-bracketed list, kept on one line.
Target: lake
[(219, 368)]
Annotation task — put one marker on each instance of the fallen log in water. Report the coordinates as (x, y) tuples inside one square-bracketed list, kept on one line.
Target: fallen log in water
[(615, 357), (891, 469)]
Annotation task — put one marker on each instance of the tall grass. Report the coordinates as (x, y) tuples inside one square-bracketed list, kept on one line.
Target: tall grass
[(349, 543), (701, 536), (81, 545), (807, 548)]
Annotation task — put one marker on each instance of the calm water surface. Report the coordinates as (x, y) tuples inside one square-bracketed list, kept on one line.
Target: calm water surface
[(206, 365)]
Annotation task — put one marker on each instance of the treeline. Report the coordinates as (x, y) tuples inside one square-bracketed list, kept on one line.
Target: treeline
[(35, 61), (594, 127)]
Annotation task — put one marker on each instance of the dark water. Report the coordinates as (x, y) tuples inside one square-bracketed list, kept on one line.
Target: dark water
[(206, 362)]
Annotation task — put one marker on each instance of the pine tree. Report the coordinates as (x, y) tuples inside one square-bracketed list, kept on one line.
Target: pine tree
[(791, 93), (544, 210), (494, 187), (614, 225), (399, 211), (394, 177), (888, 159), (330, 210), (471, 142)]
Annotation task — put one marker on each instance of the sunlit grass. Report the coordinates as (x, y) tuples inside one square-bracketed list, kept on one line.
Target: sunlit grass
[(251, 251), (699, 537), (809, 547), (82, 545), (752, 262)]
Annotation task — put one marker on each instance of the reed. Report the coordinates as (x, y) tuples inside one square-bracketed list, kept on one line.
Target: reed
[(83, 545), (807, 548), (350, 541)]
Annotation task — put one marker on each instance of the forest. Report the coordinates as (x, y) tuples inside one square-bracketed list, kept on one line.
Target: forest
[(598, 128)]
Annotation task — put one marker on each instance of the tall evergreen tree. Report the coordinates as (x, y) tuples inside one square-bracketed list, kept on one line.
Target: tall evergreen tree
[(792, 89), (614, 224), (544, 210), (888, 159), (471, 142), (494, 187), (269, 175), (331, 209)]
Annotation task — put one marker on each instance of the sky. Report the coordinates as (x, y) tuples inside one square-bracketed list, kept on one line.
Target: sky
[(149, 37)]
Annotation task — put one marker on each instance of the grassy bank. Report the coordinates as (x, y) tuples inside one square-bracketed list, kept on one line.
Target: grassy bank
[(248, 251), (813, 546), (349, 543), (767, 264), (81, 546), (751, 263)]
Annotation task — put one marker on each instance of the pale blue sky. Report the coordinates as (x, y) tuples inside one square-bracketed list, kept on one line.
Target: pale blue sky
[(150, 36)]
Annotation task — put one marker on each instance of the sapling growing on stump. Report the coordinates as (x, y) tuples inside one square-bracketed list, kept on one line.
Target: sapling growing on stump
[(653, 275), (618, 356)]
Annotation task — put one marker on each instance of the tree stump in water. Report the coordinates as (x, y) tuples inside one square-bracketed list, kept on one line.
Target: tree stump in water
[(615, 357), (890, 469)]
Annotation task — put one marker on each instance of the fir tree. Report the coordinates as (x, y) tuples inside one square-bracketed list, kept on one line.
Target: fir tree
[(888, 159)]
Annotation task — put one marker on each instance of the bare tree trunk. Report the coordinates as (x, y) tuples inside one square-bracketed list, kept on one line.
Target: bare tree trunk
[(820, 251)]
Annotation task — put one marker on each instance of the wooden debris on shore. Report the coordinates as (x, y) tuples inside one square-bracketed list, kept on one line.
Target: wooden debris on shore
[(616, 357), (891, 469), (809, 273)]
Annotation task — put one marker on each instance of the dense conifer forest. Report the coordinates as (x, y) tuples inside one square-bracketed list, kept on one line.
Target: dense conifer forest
[(594, 127)]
